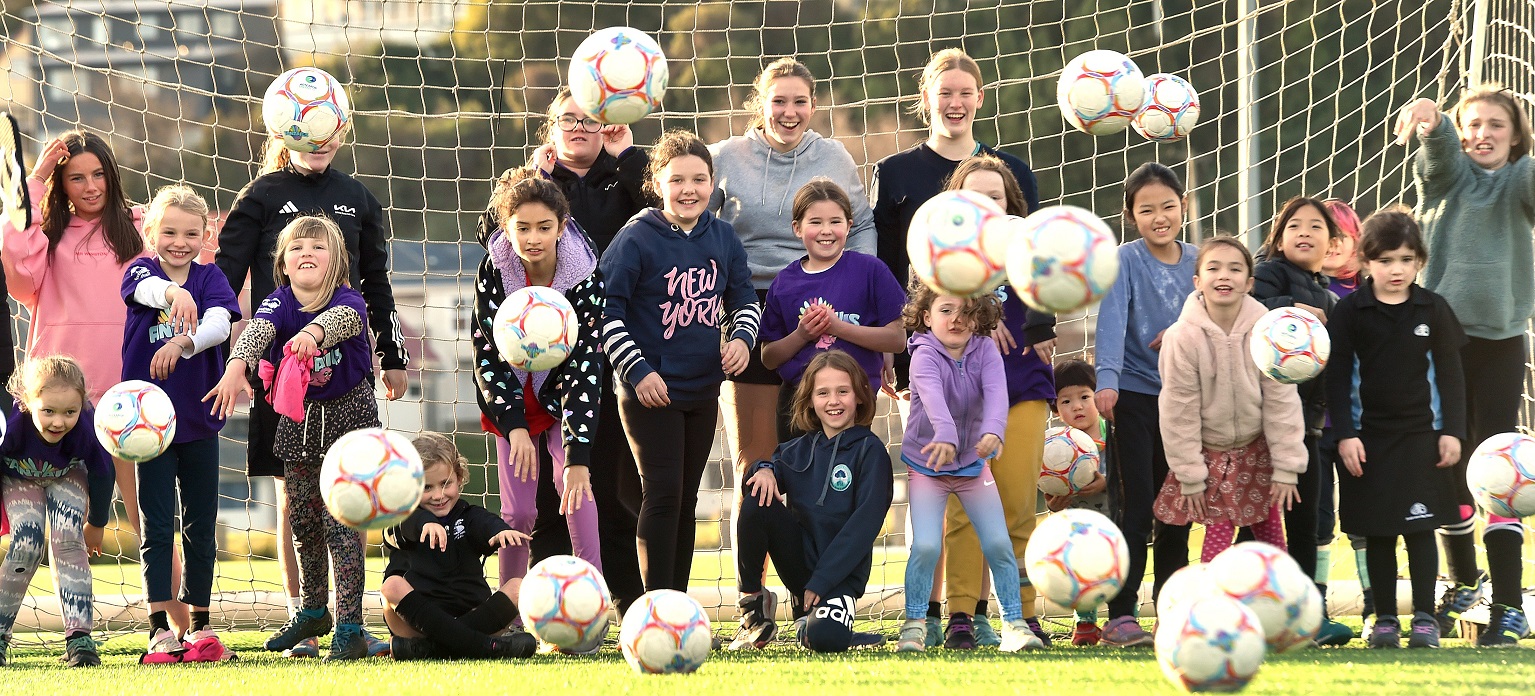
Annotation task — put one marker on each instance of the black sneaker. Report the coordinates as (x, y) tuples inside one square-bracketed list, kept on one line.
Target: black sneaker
[(347, 645), (407, 649), (514, 645), (865, 639), (298, 628), (1038, 631), (757, 627), (1387, 633), (81, 652), (1505, 626), (960, 635), (1425, 631)]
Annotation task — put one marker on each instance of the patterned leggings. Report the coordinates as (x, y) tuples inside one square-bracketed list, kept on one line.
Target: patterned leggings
[(61, 502), (1218, 535)]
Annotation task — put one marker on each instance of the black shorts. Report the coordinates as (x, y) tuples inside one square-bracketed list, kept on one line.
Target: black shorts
[(756, 372), (261, 457)]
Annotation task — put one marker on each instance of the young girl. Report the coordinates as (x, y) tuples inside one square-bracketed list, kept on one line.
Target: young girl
[(958, 415), (179, 315), (1027, 341), (290, 185), (1291, 276), (1395, 391), (436, 600), (56, 476), (1155, 277), (672, 276), (536, 244), (817, 508), (1473, 177), (1249, 426), (314, 317)]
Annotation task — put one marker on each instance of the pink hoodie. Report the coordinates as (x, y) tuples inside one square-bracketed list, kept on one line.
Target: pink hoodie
[(75, 298)]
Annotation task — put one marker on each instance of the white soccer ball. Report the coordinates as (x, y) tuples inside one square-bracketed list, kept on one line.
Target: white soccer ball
[(1062, 259), (565, 603), (618, 75), (371, 479), (1186, 583), (135, 420), (1077, 558), (1100, 91), (665, 632), (958, 243), (307, 108), (1070, 461), (1290, 345), (1210, 643), (1170, 111), (1271, 584), (535, 328), (1501, 475)]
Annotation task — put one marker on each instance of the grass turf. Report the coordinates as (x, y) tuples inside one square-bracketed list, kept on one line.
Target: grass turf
[(1455, 669)]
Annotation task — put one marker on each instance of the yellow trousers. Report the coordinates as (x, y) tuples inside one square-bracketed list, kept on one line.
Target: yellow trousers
[(1017, 473)]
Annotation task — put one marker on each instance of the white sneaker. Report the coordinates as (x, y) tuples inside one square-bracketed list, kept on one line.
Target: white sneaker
[(913, 636), (1016, 636), (164, 648)]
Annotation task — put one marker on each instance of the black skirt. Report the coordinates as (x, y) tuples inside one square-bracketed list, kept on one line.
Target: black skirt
[(325, 422), (1401, 491)]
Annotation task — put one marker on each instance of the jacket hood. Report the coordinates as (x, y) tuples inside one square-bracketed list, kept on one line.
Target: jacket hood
[(574, 259), (758, 140), (828, 452), (926, 338), (772, 160), (1194, 313), (656, 220)]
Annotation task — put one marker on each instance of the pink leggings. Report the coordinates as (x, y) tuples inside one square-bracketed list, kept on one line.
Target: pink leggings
[(1218, 535), (519, 507)]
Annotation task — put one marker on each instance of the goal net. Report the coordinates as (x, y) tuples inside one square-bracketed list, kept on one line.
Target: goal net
[(1296, 100)]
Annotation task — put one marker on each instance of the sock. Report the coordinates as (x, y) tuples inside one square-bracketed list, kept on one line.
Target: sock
[(1381, 554), (199, 620), (492, 616), (442, 627), (1460, 550), (1369, 604), (1326, 615), (76, 634), (311, 613), (934, 609), (1323, 565), (1089, 616), (1505, 564), (980, 608), (157, 621), (293, 607), (1422, 569)]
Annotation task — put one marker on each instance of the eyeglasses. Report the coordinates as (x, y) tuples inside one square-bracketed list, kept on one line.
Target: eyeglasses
[(569, 123)]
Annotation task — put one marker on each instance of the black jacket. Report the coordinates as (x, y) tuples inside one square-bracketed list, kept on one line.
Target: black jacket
[(457, 572), (612, 191), (1279, 283), (248, 239)]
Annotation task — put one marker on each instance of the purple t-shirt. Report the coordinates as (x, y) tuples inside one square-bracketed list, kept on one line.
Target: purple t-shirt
[(859, 288), (147, 329), (336, 371)]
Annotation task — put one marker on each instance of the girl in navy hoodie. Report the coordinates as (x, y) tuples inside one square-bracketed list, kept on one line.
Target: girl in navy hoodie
[(817, 508), (674, 276)]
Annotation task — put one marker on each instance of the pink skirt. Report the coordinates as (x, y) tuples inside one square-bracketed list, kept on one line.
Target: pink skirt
[(1236, 490)]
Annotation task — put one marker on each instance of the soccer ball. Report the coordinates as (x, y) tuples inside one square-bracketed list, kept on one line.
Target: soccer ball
[(565, 603), (1186, 583), (958, 243), (1100, 91), (1170, 111), (1071, 459), (1077, 558), (371, 479), (1271, 584), (1210, 643), (618, 75), (665, 632), (1501, 475), (1290, 345), (1062, 259), (135, 420), (307, 108), (535, 328)]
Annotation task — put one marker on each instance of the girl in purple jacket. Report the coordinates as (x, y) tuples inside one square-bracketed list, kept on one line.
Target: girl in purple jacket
[(957, 419)]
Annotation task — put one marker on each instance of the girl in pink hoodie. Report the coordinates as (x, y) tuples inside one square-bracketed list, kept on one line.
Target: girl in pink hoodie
[(1250, 427)]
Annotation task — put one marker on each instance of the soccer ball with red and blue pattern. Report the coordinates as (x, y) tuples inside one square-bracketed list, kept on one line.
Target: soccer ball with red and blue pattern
[(618, 75), (135, 420), (371, 479), (1062, 258), (665, 632), (958, 243), (1100, 91), (1077, 558), (565, 603), (1290, 345), (1210, 643), (307, 108), (1501, 475), (1070, 461), (535, 328), (1270, 583), (1170, 111)]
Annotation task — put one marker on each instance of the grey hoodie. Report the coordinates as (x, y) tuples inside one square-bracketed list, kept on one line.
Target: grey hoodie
[(754, 191)]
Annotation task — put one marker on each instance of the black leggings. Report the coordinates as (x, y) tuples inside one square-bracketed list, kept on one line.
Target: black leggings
[(1495, 377), (1142, 469), (772, 531), (672, 445), (1422, 570)]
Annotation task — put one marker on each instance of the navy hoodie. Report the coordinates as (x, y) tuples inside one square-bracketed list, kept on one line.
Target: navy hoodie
[(669, 291), (839, 491)]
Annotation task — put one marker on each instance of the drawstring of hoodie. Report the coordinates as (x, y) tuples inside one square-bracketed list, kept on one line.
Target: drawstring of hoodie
[(767, 161), (307, 420), (831, 468)]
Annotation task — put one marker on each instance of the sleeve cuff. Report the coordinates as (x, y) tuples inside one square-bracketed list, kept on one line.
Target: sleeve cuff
[(1039, 334), (1192, 488), (1289, 477)]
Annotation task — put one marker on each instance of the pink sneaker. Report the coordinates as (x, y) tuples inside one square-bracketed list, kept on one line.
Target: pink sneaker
[(164, 649), (206, 647)]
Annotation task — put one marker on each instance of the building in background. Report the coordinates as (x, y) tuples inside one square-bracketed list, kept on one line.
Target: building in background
[(315, 29)]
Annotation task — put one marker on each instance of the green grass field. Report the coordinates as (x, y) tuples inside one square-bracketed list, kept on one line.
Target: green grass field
[(781, 669)]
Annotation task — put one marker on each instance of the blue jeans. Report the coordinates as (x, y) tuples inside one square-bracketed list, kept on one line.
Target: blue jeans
[(195, 465)]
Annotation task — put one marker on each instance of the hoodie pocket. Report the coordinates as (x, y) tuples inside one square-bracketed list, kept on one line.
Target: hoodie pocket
[(691, 367)]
